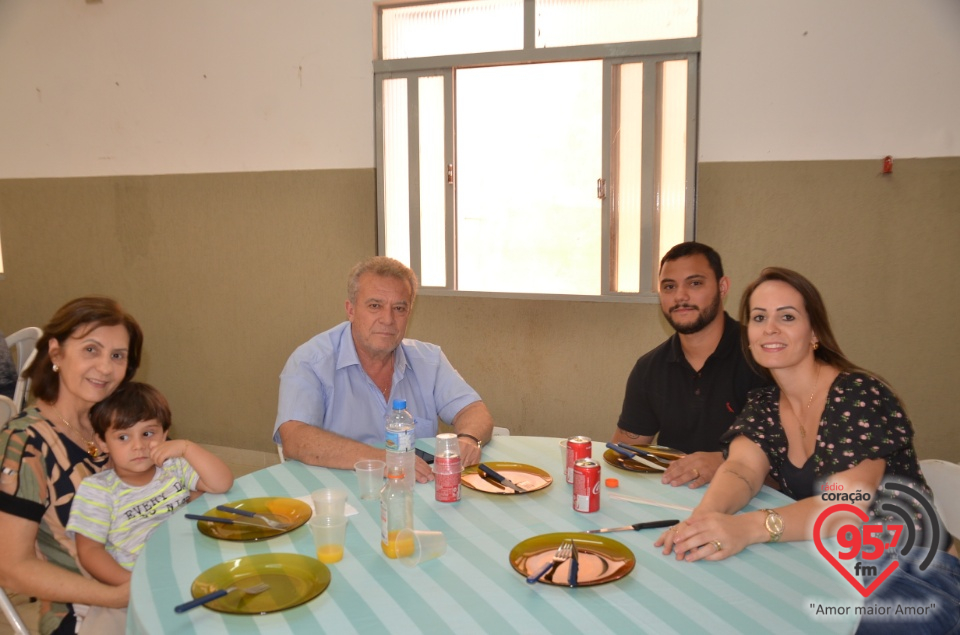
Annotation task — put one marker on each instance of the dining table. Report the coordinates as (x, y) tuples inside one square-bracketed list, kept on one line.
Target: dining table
[(473, 587)]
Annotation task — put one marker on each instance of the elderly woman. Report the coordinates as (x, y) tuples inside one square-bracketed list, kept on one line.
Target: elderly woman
[(824, 424), (90, 347)]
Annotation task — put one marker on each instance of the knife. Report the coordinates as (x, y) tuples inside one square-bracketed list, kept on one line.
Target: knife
[(630, 448), (500, 478), (635, 527), (574, 565), (630, 454), (230, 521)]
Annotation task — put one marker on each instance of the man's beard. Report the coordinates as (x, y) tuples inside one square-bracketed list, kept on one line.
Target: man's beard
[(705, 317)]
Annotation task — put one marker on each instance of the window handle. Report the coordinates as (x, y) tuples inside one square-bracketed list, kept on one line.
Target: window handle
[(601, 189), (449, 174)]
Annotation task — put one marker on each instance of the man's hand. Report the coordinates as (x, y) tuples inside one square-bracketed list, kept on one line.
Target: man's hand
[(469, 452), (693, 470), (424, 471)]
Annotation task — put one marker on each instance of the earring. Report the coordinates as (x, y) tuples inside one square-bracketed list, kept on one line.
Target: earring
[(56, 368), (816, 345)]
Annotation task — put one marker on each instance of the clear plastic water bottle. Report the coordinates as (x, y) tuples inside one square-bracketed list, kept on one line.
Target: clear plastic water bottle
[(396, 511), (400, 438)]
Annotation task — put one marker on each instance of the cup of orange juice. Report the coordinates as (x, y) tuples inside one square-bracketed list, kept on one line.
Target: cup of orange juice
[(329, 534)]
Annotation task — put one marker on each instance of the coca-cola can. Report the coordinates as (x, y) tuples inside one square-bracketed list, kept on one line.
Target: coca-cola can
[(586, 486), (577, 448), (447, 468), (448, 481)]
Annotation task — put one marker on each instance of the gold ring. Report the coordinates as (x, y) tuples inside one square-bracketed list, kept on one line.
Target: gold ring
[(716, 543), (697, 473)]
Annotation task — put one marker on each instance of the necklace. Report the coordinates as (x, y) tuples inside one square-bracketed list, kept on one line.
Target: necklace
[(92, 448), (803, 431)]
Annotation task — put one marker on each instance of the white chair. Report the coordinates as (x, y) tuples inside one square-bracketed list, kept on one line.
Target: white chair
[(25, 343), (16, 622), (943, 477), (280, 451), (501, 432), (8, 410)]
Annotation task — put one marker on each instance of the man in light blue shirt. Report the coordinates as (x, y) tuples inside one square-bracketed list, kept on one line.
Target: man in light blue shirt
[(336, 389)]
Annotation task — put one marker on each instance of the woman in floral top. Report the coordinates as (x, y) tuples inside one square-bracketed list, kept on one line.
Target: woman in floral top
[(89, 348), (825, 427)]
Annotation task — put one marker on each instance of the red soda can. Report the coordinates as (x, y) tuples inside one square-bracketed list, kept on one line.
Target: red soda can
[(577, 448), (447, 477), (586, 486), (447, 468)]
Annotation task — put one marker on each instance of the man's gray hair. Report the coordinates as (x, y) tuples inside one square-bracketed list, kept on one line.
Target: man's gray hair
[(380, 266)]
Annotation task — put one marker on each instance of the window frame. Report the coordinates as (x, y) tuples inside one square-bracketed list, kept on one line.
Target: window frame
[(647, 52)]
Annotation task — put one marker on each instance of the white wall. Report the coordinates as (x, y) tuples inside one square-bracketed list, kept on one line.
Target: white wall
[(184, 86), (193, 86), (828, 79)]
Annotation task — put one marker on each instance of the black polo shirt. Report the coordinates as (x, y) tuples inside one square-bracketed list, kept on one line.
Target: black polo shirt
[(689, 409)]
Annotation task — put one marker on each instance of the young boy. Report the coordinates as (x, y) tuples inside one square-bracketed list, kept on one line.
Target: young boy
[(115, 511)]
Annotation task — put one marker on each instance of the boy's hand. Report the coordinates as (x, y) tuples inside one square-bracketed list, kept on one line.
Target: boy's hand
[(174, 449)]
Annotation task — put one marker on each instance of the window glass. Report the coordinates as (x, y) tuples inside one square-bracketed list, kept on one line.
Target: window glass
[(452, 28), (573, 22), (528, 156)]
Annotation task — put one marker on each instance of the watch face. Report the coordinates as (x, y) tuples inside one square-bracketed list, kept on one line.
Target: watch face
[(774, 524)]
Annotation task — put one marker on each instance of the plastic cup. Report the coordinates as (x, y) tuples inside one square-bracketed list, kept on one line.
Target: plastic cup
[(417, 546), (328, 537), (370, 477), (329, 503), (447, 444)]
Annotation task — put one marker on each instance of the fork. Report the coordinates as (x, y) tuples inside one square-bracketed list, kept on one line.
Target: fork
[(210, 597), (564, 551), (272, 522)]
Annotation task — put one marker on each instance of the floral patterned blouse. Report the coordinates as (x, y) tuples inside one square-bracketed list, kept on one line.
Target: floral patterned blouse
[(40, 470), (862, 419)]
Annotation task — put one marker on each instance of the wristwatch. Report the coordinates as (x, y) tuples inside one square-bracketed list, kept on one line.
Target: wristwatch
[(773, 524), (463, 435)]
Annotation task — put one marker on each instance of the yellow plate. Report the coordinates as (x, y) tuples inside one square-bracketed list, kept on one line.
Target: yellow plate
[(618, 460), (288, 510), (293, 579), (601, 559), (526, 476)]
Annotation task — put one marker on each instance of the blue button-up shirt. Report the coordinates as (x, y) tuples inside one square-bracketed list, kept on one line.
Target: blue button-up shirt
[(324, 385)]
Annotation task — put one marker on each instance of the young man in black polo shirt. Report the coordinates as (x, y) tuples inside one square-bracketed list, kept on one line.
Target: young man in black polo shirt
[(690, 388)]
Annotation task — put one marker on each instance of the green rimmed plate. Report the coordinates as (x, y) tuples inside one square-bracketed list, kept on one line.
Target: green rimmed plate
[(658, 451), (293, 579), (601, 559), (526, 476), (289, 510)]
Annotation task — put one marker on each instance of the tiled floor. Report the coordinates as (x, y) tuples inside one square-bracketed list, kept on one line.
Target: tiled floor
[(240, 461)]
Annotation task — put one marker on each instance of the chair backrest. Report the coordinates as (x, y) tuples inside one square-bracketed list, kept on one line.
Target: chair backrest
[(943, 477), (24, 342), (16, 622), (501, 432), (8, 410)]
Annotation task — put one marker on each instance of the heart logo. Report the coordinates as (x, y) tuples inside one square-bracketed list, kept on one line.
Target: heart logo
[(853, 509)]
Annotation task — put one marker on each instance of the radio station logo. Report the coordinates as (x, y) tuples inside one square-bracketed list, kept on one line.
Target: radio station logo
[(868, 542)]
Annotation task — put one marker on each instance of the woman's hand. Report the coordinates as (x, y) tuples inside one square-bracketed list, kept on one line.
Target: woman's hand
[(707, 536)]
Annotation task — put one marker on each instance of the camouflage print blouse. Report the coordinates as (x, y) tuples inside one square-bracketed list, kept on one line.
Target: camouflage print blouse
[(39, 474)]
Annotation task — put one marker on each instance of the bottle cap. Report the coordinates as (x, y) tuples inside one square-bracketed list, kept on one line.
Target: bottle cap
[(395, 471), (399, 404), (612, 482)]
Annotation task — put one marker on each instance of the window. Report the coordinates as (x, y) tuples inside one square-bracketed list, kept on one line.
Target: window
[(536, 146)]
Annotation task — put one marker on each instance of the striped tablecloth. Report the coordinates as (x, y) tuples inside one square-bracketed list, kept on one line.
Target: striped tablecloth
[(472, 588)]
